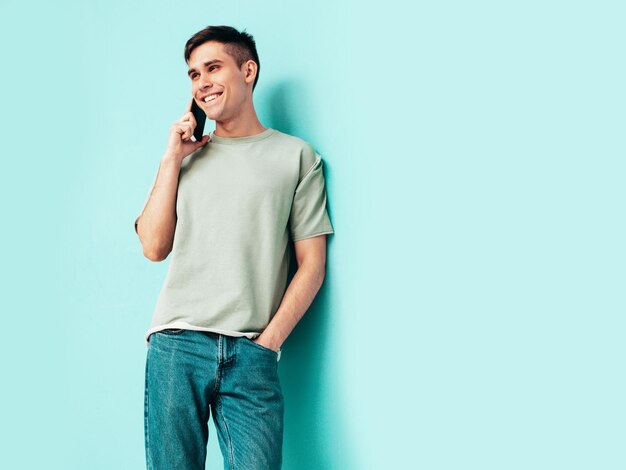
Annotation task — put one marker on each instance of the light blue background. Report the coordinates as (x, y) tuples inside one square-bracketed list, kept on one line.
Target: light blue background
[(472, 315)]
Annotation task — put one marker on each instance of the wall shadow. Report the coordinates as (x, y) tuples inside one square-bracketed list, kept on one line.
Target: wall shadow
[(312, 433)]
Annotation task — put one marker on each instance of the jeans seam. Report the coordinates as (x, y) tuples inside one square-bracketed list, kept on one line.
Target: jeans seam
[(147, 415), (231, 458), (217, 368)]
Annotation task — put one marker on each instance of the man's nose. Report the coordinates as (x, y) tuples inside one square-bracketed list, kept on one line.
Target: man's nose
[(205, 81)]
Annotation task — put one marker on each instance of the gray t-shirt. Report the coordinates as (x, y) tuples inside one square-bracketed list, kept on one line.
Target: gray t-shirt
[(241, 200)]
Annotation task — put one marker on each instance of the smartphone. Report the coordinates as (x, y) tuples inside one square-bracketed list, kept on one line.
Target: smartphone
[(200, 116)]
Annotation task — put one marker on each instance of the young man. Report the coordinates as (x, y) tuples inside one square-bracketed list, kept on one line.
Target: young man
[(227, 209)]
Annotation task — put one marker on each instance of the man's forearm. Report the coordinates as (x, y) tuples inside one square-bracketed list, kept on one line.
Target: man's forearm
[(298, 297), (157, 223)]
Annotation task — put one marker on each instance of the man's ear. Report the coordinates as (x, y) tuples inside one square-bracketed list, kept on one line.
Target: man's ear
[(250, 70)]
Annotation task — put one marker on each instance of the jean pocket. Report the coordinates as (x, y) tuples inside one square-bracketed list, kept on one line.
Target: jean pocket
[(172, 331), (260, 346)]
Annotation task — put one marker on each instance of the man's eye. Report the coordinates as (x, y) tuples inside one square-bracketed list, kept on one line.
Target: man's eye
[(194, 75)]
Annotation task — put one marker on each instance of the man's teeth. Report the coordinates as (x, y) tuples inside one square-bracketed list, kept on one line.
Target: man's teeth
[(210, 98)]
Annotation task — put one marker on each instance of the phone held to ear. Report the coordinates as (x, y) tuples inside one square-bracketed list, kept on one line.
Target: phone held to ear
[(200, 116)]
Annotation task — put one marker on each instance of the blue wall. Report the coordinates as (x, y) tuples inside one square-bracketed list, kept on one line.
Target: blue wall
[(472, 315)]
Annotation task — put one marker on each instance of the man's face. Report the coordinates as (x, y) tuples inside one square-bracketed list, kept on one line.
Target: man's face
[(213, 71)]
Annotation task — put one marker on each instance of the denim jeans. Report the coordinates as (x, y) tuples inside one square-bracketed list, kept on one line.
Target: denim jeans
[(190, 374)]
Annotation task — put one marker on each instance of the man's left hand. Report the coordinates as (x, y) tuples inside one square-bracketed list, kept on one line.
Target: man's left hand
[(261, 341)]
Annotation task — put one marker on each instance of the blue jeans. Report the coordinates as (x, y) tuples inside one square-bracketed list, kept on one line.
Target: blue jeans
[(192, 373)]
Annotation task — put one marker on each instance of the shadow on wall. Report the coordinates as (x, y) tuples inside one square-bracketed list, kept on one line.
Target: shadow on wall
[(283, 99), (315, 434), (314, 427), (288, 107)]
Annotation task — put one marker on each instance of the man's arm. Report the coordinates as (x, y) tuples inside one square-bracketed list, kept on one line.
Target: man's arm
[(157, 223), (311, 258)]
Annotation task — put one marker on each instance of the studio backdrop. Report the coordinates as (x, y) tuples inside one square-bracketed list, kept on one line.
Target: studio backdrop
[(472, 313)]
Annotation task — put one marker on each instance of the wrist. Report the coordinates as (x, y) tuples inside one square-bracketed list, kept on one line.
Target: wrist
[(171, 159), (270, 340)]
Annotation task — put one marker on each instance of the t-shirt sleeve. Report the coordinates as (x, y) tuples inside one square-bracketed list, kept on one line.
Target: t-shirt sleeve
[(309, 216)]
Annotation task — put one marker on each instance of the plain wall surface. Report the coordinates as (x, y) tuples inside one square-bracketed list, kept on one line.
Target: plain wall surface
[(472, 315)]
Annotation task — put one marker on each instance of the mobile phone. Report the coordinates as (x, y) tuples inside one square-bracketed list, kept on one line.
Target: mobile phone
[(200, 116)]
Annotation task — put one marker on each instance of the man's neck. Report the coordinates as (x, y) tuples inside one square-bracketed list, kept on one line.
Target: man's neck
[(239, 128)]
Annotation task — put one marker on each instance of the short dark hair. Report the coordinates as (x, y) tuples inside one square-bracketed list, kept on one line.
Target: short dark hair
[(239, 45)]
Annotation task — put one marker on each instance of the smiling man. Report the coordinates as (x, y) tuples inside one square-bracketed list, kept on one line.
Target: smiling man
[(228, 209)]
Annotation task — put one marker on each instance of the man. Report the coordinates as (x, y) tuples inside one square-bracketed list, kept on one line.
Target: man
[(227, 208)]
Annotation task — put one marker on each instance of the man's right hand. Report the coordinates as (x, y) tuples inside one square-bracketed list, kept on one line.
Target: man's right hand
[(179, 143)]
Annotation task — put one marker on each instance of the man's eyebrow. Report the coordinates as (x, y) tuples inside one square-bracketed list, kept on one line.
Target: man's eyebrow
[(206, 64)]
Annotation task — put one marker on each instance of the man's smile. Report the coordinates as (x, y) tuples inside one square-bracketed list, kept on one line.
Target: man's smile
[(211, 97)]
